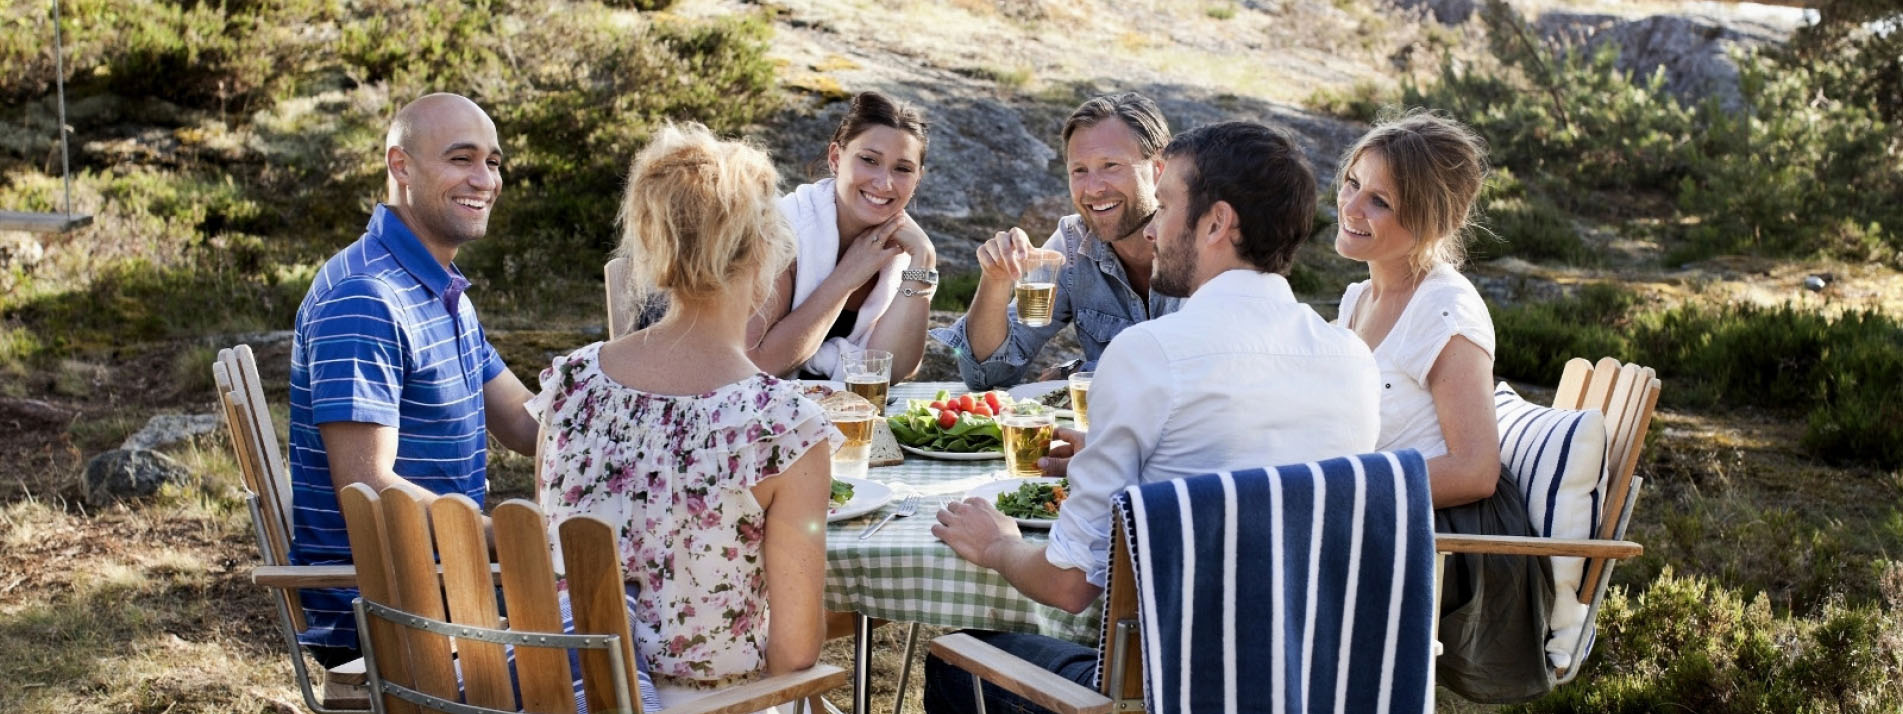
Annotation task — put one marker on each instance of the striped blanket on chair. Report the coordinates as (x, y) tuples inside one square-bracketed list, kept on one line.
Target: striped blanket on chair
[(1304, 588)]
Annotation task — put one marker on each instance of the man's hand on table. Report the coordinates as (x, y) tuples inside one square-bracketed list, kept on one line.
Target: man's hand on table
[(1057, 462), (974, 528)]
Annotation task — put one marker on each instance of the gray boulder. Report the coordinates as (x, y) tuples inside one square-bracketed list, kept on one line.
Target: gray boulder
[(170, 429), (1694, 51), (129, 474), (1446, 12)]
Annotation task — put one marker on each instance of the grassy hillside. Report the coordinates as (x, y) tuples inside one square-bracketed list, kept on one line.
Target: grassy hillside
[(226, 148)]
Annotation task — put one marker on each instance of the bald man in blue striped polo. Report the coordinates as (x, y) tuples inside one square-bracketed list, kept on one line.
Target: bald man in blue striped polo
[(392, 378)]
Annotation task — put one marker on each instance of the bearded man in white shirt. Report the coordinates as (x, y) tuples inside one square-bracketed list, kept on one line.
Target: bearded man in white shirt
[(1242, 376)]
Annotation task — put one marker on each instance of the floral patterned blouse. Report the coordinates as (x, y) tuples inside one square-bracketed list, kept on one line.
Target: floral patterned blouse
[(674, 475)]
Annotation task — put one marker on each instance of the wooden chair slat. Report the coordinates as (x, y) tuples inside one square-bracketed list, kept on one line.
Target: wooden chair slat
[(276, 546), (273, 452), (277, 529), (413, 565), (755, 696), (1042, 687), (528, 588), (1599, 388), (1622, 483), (273, 479), (621, 311), (596, 598), (1121, 603), (1619, 414), (464, 551), (363, 523), (1572, 384)]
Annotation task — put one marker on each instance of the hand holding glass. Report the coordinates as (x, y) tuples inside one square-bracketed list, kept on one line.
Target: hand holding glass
[(1028, 428), (1080, 398), (1037, 287)]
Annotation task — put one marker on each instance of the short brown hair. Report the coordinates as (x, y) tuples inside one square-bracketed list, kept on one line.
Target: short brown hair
[(1134, 110), (1261, 173), (1438, 166), (700, 215)]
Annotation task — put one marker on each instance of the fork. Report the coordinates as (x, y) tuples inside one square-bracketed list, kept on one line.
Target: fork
[(907, 507)]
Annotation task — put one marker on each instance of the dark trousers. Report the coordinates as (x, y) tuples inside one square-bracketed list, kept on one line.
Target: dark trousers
[(1494, 607), (948, 688)]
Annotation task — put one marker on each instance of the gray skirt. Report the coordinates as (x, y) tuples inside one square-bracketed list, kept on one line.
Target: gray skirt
[(1493, 607)]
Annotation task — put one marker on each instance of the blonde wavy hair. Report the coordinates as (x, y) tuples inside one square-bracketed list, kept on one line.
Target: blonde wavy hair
[(1438, 166), (700, 217)]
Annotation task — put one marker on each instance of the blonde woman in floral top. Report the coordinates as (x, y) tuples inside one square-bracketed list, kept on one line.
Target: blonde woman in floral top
[(715, 474)]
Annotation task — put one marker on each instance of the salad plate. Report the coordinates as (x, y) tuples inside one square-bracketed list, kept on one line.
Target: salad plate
[(1014, 487), (867, 496), (953, 455)]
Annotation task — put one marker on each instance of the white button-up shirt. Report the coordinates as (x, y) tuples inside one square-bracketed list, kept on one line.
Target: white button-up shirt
[(1242, 376)]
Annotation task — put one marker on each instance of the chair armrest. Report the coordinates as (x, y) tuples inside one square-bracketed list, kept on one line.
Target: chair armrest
[(1523, 545), (305, 576), (755, 696), (323, 576), (1018, 676)]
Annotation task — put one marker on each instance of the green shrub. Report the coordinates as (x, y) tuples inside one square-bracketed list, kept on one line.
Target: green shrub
[(310, 85), (955, 291), (1687, 644), (1526, 224), (1806, 142), (1861, 377), (1844, 373), (1361, 101), (1536, 339)]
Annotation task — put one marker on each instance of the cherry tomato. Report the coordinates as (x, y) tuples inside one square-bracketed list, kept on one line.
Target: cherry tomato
[(965, 403), (947, 419), (981, 410), (938, 406), (991, 400)]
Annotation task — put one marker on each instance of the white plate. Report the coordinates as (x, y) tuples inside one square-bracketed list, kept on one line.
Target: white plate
[(954, 455), (1037, 390), (829, 385), (867, 496), (990, 491)]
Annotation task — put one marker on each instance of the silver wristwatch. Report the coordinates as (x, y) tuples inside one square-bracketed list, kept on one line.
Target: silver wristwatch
[(929, 277)]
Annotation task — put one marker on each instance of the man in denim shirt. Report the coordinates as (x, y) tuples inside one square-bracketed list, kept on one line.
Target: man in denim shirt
[(1104, 285)]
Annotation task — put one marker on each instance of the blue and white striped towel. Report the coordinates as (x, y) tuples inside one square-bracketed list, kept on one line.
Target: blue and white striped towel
[(1306, 588)]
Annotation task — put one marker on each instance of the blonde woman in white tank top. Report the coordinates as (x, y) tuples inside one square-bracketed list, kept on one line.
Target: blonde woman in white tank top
[(1405, 193)]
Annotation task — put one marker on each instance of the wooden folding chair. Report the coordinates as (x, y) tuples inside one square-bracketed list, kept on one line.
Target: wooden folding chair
[(413, 622), (622, 312), (1627, 395), (268, 497), (1120, 650), (1394, 484)]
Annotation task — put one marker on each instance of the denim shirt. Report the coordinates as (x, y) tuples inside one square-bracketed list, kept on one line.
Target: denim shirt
[(1092, 292)]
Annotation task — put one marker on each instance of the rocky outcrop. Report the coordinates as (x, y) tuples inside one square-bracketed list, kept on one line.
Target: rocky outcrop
[(1446, 12), (165, 429), (129, 474), (994, 162), (1695, 51)]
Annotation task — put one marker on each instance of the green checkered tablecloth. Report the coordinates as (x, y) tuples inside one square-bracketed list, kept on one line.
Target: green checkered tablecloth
[(905, 574)]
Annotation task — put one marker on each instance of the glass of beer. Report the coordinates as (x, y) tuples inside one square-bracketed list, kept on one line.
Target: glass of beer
[(1037, 287), (1080, 398), (853, 417), (869, 375), (1028, 429)]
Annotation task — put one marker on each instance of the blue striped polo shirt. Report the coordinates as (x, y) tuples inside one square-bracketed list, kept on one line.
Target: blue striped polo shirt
[(383, 337)]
